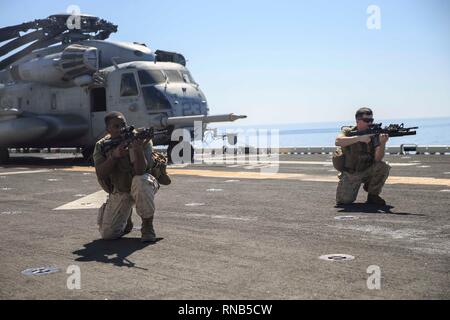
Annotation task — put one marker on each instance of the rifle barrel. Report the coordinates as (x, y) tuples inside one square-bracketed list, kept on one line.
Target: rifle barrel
[(401, 134)]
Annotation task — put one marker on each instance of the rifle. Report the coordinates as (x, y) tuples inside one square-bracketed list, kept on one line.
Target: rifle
[(127, 136), (393, 130)]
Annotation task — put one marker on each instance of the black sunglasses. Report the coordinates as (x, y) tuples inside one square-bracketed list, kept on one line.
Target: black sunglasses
[(367, 120), (119, 126)]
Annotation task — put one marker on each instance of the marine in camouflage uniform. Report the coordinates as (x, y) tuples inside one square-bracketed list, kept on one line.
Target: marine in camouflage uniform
[(125, 174), (362, 163)]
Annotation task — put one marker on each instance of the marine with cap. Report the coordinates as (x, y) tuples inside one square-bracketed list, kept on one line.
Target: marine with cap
[(125, 174), (361, 162)]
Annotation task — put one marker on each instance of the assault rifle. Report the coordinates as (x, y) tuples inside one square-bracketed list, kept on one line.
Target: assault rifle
[(393, 130), (128, 135)]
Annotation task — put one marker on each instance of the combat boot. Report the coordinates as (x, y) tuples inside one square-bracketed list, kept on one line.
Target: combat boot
[(375, 199), (147, 231)]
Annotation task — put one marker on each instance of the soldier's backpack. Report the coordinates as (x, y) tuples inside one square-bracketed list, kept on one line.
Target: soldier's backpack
[(339, 159), (159, 168)]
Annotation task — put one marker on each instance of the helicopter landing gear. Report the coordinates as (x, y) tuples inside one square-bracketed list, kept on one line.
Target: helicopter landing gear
[(4, 155), (184, 145), (88, 154)]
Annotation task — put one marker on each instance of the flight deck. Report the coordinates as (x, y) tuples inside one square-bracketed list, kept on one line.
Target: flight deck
[(239, 229)]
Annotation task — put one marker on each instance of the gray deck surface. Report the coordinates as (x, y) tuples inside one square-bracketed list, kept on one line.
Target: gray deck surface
[(252, 238)]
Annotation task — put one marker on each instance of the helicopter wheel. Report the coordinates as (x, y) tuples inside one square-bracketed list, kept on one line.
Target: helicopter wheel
[(88, 154), (4, 155)]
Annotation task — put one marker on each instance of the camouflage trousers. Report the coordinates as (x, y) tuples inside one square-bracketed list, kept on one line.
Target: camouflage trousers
[(113, 215), (373, 178)]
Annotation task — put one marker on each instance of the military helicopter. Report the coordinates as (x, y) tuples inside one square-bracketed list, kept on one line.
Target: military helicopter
[(55, 92)]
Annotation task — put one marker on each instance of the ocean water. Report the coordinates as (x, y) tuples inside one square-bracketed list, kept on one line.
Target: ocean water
[(432, 131)]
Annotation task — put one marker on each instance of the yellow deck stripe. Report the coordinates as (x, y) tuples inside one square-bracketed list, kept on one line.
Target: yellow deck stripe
[(285, 176)]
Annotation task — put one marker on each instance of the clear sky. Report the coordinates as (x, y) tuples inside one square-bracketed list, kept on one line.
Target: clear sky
[(289, 61)]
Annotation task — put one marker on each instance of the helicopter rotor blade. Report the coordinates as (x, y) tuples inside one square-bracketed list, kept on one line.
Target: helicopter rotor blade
[(45, 42), (50, 31), (11, 32), (20, 41)]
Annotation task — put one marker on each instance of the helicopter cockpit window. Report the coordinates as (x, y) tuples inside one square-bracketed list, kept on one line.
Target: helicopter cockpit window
[(174, 76), (151, 77), (128, 86), (154, 99), (187, 77)]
